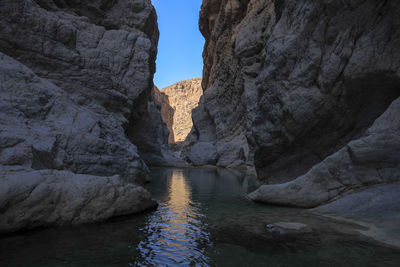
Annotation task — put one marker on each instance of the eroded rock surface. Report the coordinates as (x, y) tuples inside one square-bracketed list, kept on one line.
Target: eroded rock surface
[(42, 128), (296, 87), (167, 112), (183, 97), (203, 153), (102, 61), (76, 86), (377, 208), (372, 159), (39, 198)]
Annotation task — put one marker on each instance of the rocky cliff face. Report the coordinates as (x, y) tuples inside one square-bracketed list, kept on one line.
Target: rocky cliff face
[(183, 97), (76, 86), (167, 112), (299, 88)]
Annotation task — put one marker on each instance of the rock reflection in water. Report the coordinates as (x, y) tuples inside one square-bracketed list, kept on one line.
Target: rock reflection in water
[(176, 232), (202, 220)]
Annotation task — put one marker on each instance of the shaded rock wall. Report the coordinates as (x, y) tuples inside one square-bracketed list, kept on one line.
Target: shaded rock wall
[(167, 112), (43, 128), (101, 56), (75, 88), (371, 159), (290, 83), (151, 134), (235, 33)]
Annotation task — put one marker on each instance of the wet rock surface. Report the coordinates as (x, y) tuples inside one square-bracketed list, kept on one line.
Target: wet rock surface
[(377, 208)]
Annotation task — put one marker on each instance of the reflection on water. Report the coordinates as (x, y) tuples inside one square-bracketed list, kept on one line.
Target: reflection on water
[(175, 233), (202, 220)]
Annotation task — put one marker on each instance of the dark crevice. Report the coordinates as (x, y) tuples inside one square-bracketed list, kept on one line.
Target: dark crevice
[(279, 6), (146, 130)]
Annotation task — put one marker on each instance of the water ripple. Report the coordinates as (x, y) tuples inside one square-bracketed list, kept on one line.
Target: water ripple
[(176, 233)]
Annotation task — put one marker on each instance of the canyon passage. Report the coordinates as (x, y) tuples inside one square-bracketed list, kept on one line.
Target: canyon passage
[(202, 220), (285, 152)]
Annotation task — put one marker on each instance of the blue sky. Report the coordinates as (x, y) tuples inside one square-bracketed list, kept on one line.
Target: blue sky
[(181, 43)]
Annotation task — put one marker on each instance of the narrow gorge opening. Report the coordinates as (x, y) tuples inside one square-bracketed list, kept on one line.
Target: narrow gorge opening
[(300, 110), (177, 103), (177, 81)]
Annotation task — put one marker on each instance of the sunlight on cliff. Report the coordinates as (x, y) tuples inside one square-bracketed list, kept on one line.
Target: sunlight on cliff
[(177, 103)]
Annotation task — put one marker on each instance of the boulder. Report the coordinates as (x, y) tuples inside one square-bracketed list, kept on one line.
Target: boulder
[(42, 198), (203, 153)]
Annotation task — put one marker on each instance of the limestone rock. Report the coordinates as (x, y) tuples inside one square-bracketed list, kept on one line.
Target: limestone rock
[(232, 30), (203, 153), (372, 159), (42, 128), (151, 136), (167, 112), (41, 198), (295, 86), (103, 68), (327, 75), (75, 85), (377, 208), (183, 97), (100, 53)]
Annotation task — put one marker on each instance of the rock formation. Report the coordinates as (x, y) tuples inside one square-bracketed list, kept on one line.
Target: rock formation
[(371, 159), (53, 197), (305, 91), (376, 208), (183, 97), (76, 86), (167, 112)]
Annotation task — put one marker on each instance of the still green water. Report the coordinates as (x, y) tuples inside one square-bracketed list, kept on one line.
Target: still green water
[(202, 220)]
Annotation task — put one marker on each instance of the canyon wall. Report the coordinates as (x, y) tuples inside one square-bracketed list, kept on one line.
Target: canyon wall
[(167, 112), (76, 88), (304, 90), (183, 97)]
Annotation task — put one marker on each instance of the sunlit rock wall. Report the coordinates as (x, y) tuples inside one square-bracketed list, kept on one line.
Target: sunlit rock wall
[(183, 97)]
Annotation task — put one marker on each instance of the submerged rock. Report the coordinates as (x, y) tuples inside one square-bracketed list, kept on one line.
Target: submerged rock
[(41, 198), (377, 208), (290, 225)]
